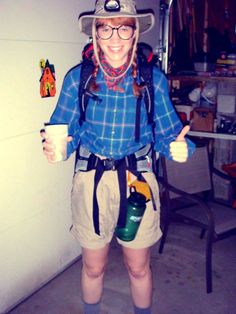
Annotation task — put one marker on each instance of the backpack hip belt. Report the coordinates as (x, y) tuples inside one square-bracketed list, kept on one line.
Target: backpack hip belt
[(138, 162)]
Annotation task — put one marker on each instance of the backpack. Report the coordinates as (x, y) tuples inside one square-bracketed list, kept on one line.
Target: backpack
[(146, 61)]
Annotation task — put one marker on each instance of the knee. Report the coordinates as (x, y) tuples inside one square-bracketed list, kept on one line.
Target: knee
[(138, 272), (94, 271)]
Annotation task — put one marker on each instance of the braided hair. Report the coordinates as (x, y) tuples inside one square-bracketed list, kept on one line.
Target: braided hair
[(94, 86), (137, 88)]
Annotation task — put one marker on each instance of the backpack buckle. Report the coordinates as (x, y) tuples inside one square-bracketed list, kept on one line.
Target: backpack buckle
[(110, 164)]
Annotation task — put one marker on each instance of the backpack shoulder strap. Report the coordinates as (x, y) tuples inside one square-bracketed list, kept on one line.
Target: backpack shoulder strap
[(87, 68), (146, 62), (146, 75)]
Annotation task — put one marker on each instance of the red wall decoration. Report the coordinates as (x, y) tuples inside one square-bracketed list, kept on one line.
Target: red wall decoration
[(47, 79)]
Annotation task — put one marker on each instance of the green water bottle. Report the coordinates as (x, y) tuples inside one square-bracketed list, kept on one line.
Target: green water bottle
[(135, 211)]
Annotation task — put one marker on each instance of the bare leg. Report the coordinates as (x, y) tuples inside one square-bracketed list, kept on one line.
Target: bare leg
[(137, 262), (94, 264)]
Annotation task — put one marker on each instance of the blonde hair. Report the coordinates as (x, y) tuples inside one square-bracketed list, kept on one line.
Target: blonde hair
[(137, 89)]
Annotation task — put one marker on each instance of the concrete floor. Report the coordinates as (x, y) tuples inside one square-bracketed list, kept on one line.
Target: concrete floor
[(179, 281)]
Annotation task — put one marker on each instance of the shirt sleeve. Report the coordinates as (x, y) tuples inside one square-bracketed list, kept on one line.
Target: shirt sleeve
[(167, 122), (67, 108)]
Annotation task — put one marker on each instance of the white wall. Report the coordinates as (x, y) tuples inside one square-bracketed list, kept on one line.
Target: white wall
[(35, 243)]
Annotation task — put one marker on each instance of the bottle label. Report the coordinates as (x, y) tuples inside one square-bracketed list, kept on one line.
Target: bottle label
[(135, 218)]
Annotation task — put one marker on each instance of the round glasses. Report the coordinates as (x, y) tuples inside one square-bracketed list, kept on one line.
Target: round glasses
[(106, 31)]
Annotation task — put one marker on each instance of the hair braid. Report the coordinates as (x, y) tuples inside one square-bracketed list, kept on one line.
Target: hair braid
[(137, 88), (94, 86)]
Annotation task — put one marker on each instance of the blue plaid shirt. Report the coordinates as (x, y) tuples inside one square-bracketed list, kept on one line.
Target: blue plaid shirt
[(109, 129)]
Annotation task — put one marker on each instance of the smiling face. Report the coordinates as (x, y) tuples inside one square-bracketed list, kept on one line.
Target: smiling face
[(116, 49)]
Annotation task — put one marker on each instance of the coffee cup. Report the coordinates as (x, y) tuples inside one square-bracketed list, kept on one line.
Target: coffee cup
[(57, 134)]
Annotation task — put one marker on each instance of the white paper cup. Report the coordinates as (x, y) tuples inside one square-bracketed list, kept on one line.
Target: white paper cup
[(58, 135)]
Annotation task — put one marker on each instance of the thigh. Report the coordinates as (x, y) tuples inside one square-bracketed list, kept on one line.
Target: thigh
[(82, 208)]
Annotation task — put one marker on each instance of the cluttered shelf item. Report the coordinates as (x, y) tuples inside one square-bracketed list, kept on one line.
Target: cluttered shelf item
[(208, 104), (223, 70), (202, 64), (194, 77)]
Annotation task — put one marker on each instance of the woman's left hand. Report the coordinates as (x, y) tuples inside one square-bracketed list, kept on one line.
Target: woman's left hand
[(179, 148)]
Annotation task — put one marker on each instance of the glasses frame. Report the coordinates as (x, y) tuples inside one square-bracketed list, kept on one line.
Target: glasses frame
[(117, 29)]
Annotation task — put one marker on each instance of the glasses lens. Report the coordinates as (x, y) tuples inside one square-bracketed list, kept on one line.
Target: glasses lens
[(125, 31), (104, 31)]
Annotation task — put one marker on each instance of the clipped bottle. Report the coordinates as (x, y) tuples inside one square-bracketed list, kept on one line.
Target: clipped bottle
[(135, 211)]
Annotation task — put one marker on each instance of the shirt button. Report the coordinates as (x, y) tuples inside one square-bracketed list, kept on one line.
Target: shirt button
[(114, 110), (113, 132)]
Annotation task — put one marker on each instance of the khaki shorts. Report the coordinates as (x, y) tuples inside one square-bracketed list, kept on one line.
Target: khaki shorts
[(108, 200)]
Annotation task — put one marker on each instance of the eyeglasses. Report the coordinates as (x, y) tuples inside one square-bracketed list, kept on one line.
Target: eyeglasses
[(124, 31)]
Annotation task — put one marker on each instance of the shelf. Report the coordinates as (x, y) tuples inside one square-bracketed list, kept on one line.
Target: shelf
[(213, 135), (231, 79)]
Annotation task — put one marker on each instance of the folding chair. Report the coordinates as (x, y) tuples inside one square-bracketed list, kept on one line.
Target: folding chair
[(188, 195)]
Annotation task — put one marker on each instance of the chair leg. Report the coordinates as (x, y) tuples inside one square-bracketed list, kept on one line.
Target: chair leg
[(202, 234), (163, 239), (209, 241), (164, 232)]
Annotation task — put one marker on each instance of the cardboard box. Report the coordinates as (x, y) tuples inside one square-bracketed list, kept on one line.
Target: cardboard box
[(203, 120)]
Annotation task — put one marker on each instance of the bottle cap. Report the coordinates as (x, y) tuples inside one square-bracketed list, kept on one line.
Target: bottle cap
[(136, 198)]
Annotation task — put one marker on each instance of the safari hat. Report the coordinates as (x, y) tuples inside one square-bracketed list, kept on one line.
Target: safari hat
[(116, 8)]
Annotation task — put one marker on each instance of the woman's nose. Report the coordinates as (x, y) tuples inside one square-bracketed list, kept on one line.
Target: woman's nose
[(115, 34)]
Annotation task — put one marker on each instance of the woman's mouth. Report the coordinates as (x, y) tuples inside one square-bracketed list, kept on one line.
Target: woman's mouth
[(115, 49)]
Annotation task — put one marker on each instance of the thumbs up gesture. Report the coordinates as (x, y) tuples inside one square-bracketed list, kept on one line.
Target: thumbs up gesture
[(179, 148)]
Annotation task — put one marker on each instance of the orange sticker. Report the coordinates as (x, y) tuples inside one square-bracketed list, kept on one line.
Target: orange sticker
[(47, 80)]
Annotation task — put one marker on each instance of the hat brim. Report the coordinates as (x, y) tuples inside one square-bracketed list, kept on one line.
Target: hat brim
[(146, 21)]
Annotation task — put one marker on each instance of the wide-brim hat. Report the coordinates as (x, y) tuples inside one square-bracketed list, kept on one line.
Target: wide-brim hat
[(116, 8)]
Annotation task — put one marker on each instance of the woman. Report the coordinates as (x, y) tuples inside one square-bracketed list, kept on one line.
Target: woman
[(107, 134)]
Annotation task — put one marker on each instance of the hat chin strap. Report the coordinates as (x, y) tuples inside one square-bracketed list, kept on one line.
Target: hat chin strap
[(96, 49)]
